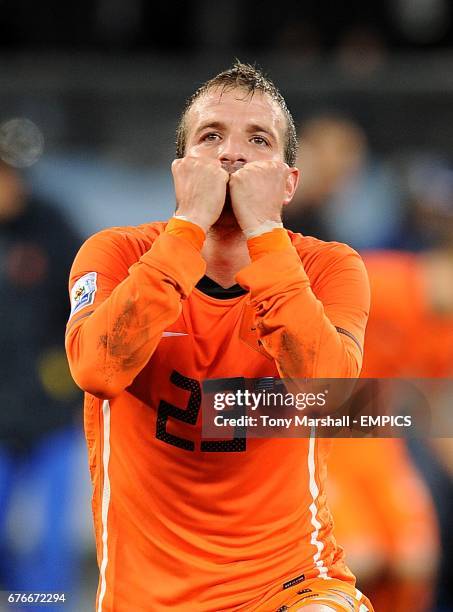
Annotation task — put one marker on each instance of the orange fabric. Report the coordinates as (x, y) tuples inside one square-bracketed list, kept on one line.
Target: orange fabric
[(276, 240), (191, 232), (405, 338), (381, 507), (194, 527)]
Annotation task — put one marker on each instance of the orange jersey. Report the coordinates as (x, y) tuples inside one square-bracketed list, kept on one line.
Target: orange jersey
[(405, 338), (180, 523), (382, 508)]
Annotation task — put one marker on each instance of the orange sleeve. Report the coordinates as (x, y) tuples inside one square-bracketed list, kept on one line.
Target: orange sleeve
[(110, 340), (310, 331)]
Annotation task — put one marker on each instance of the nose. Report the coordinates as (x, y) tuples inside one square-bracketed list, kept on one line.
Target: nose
[(232, 154)]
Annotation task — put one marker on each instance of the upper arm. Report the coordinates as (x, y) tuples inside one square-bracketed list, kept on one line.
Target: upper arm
[(99, 266), (344, 290)]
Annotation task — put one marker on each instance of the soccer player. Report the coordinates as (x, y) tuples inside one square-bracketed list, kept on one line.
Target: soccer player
[(220, 290), (390, 528)]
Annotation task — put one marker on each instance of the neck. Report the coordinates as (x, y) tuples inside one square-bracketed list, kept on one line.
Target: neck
[(225, 252)]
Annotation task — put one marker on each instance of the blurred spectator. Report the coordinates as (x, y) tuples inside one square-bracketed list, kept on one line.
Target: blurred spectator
[(409, 334), (428, 181), (382, 509), (36, 250), (411, 324), (344, 194), (385, 519), (40, 420)]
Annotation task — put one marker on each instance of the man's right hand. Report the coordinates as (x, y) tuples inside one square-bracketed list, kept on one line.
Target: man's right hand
[(200, 188)]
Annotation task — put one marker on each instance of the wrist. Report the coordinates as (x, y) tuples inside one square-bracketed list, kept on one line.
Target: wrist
[(261, 228), (193, 219), (269, 242)]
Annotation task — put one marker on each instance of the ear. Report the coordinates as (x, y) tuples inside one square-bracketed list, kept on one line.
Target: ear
[(292, 181)]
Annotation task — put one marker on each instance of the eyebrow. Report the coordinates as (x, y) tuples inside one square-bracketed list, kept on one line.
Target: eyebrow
[(251, 128), (255, 127)]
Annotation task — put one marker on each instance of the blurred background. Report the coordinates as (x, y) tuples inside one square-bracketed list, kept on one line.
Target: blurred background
[(90, 95)]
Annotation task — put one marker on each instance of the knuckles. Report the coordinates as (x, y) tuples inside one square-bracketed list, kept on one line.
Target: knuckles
[(264, 166), (183, 168), (191, 165), (263, 169)]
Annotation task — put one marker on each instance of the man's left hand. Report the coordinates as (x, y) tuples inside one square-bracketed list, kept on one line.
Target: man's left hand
[(258, 191)]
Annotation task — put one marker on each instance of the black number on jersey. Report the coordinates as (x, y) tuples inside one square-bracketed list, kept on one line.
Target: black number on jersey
[(190, 415)]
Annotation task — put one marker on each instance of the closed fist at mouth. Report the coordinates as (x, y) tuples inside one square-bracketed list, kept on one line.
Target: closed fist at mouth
[(259, 190), (200, 188)]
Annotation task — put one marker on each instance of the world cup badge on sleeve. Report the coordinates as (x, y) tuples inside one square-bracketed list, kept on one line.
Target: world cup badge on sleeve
[(83, 292)]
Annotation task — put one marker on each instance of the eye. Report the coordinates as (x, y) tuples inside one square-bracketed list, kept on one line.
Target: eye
[(259, 140), (210, 137)]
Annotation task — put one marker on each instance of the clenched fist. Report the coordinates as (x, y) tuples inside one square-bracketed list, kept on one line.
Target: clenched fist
[(259, 190), (200, 188)]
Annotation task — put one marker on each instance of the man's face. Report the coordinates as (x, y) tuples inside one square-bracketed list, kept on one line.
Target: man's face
[(235, 128)]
